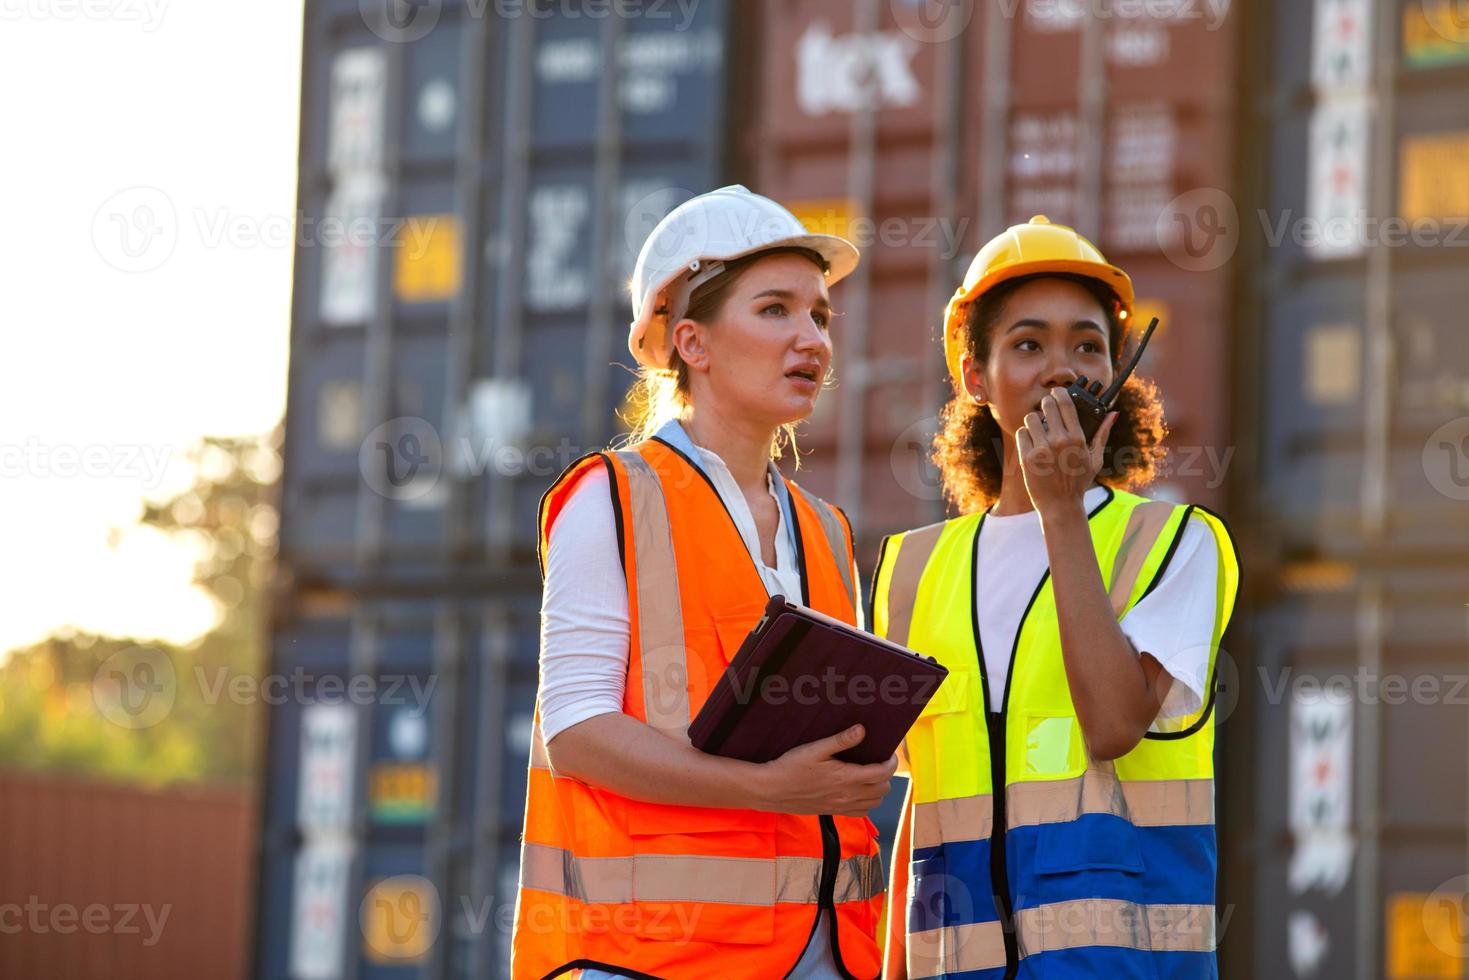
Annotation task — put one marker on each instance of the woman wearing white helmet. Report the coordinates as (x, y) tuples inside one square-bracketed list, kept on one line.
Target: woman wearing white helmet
[(642, 856)]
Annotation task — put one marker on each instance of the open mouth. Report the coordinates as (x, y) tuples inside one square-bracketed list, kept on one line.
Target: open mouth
[(804, 373)]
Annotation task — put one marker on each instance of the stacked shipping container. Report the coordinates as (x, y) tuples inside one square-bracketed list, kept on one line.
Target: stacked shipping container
[(451, 352), (923, 130), (1349, 847), (506, 161), (509, 186)]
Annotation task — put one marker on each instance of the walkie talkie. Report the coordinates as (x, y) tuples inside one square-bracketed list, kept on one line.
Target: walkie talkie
[(1093, 404)]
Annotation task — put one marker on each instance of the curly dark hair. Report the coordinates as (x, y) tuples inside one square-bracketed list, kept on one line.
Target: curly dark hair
[(969, 449)]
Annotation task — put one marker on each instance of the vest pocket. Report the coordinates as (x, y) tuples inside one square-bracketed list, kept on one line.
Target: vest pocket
[(1095, 842), (961, 691), (929, 894), (703, 874), (1088, 891), (1054, 746), (732, 628)]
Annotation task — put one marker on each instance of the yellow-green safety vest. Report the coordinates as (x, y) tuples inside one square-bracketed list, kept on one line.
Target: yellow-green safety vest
[(1079, 868)]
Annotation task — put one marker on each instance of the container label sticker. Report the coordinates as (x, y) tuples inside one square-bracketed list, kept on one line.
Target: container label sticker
[(1045, 159), (359, 88), (401, 792), (436, 105), (848, 72), (339, 416), (1425, 936), (1333, 364), (1434, 181), (1307, 942), (348, 254), (498, 416), (328, 748), (652, 65), (556, 276), (827, 216), (1142, 46), (1320, 790), (1341, 44), (402, 788), (1336, 187), (1435, 33), (1142, 153), (426, 259), (319, 910)]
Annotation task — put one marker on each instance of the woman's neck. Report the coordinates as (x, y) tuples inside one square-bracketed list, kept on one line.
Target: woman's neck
[(1014, 498), (745, 448)]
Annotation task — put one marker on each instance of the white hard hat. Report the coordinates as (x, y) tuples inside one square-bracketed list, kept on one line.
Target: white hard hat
[(691, 245)]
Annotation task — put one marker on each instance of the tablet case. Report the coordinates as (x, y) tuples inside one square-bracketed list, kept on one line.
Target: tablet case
[(801, 676)]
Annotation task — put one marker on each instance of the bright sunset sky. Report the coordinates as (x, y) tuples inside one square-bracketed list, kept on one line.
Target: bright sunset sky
[(182, 106)]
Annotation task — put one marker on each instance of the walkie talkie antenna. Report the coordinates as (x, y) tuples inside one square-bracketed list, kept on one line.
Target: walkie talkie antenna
[(1110, 394)]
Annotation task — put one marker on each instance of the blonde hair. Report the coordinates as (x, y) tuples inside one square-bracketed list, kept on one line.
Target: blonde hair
[(660, 395)]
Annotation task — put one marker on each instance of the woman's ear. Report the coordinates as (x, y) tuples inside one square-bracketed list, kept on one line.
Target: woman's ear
[(973, 373), (688, 340)]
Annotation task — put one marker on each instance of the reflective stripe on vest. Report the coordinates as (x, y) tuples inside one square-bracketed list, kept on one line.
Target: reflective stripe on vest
[(1110, 922), (955, 949), (685, 878), (688, 891), (1076, 831), (838, 538), (660, 636), (1060, 926)]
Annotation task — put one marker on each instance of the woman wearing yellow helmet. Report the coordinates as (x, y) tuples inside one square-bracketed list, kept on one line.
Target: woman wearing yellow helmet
[(1060, 812)]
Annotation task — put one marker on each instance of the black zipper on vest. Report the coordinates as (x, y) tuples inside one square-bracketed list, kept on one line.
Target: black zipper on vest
[(831, 844), (995, 725), (831, 854)]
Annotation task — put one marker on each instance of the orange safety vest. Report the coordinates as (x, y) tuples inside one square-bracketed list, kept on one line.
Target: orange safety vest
[(692, 892)]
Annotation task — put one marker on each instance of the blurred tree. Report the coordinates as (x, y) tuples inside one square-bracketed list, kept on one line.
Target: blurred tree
[(63, 702)]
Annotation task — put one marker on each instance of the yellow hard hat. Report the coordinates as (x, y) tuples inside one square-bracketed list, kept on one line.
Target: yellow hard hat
[(1024, 250)]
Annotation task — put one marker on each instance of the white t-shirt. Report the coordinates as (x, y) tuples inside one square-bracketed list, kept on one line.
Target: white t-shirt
[(1174, 622), (585, 624)]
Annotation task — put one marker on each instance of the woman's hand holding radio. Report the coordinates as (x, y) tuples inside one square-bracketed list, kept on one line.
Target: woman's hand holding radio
[(1058, 464)]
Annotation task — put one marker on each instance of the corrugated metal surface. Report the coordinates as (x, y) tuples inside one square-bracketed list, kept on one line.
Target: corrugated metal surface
[(1314, 844), (107, 882), (403, 754), (447, 363), (926, 137), (488, 194), (845, 97), (1345, 815)]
